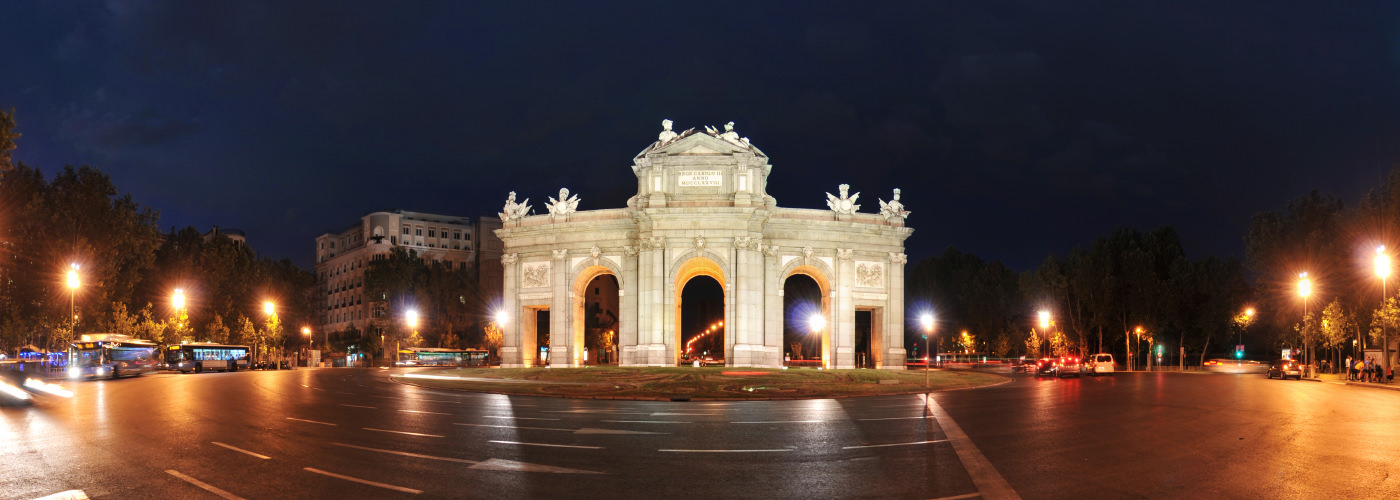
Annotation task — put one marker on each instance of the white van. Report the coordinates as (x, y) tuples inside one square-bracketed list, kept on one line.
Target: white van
[(1098, 364)]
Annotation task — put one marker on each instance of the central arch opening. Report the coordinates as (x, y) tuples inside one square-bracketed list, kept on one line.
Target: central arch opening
[(600, 320), (805, 322), (702, 322)]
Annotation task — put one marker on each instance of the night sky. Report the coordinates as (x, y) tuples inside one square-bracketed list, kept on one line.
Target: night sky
[(1014, 129)]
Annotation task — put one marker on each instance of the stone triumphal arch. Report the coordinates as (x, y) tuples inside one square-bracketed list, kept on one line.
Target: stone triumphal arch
[(702, 210)]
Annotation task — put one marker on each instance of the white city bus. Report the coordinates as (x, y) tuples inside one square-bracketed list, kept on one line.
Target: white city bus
[(111, 355), (206, 356)]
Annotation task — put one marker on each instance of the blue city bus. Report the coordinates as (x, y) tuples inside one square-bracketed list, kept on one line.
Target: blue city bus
[(206, 356), (111, 355)]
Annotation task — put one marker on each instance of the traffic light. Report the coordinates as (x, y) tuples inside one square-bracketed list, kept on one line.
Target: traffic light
[(1239, 351)]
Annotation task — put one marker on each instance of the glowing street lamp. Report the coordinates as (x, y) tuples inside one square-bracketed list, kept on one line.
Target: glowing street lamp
[(1044, 326), (1383, 270), (73, 284), (927, 321), (178, 299), (269, 308), (1304, 290), (501, 318)]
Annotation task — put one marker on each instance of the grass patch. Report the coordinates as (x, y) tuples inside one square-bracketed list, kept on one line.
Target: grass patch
[(699, 383)]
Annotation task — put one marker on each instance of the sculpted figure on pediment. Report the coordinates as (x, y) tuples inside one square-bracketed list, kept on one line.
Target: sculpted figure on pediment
[(565, 205), (514, 211), (846, 204), (893, 209)]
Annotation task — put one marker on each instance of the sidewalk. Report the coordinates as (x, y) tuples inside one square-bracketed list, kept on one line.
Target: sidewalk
[(1339, 379)]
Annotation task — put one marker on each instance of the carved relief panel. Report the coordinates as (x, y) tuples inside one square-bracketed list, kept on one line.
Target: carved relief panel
[(870, 274), (534, 275)]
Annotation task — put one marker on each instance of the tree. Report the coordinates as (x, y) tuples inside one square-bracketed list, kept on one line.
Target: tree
[(493, 338), (1033, 342), (8, 134), (216, 331), (1338, 323)]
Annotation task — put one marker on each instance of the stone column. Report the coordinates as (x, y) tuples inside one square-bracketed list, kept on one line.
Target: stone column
[(748, 303), (628, 316), (561, 334), (651, 348), (844, 310), (894, 314), (511, 357), (772, 306)]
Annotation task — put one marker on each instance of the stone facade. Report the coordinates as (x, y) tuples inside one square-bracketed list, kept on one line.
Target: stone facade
[(342, 259), (702, 209)]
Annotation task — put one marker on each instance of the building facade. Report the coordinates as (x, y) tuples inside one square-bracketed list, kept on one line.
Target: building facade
[(342, 258), (702, 209)]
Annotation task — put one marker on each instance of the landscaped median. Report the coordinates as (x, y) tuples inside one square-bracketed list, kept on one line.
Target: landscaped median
[(693, 383)]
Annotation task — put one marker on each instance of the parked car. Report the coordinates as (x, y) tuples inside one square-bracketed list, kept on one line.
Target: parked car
[(1099, 364), (1048, 367), (1068, 366), (1284, 368), (1024, 366)]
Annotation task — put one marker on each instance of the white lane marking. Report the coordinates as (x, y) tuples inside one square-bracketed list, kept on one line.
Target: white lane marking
[(66, 495), (359, 406), (894, 444), (203, 485), (363, 481), (921, 417), (782, 422), (549, 445), (961, 497), (598, 411), (724, 451), (306, 386), (920, 405), (511, 465), (646, 421), (425, 412), (402, 432), (310, 421), (664, 414), (519, 418), (241, 450), (591, 430), (516, 427), (408, 454), (985, 477)]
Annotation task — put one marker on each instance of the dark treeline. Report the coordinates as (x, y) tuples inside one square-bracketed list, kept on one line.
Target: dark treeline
[(1100, 295), (127, 270)]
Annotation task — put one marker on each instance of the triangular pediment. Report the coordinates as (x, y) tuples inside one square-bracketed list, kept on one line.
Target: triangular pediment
[(699, 143)]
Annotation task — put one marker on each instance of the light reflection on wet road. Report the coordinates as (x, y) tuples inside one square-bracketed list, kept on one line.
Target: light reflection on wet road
[(352, 433)]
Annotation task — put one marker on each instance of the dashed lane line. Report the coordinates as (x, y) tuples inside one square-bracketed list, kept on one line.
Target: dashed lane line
[(920, 417), (990, 485), (520, 418), (725, 451), (241, 450), (409, 454), (363, 481), (311, 421), (647, 421), (894, 444), (782, 422), (403, 432), (515, 427), (359, 406), (203, 485), (425, 412), (548, 445)]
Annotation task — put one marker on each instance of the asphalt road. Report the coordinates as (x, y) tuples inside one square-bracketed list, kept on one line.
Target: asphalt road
[(350, 433)]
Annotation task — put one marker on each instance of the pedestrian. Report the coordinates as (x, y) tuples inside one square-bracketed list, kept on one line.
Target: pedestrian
[(1347, 367)]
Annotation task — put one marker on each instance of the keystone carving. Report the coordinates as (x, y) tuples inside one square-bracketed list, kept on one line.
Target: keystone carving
[(595, 252), (806, 255)]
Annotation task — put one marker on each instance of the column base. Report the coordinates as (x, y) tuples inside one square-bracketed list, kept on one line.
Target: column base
[(894, 360)]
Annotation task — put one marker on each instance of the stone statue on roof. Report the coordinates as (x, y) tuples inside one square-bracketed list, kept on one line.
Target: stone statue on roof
[(666, 134), (513, 210), (565, 205), (845, 205), (894, 208)]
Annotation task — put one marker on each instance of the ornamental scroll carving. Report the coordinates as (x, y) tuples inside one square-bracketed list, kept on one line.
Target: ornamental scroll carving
[(870, 274), (743, 242), (770, 250), (508, 258), (629, 250), (898, 257), (560, 254), (844, 253), (534, 275)]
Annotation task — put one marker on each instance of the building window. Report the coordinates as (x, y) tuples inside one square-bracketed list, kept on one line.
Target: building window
[(418, 231), (456, 235), (405, 229), (432, 233)]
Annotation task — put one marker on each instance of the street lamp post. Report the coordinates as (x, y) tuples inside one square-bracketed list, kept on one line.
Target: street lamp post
[(306, 332), (1044, 329), (270, 309), (73, 284), (927, 320), (412, 318), (1383, 270), (1305, 289), (817, 323)]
